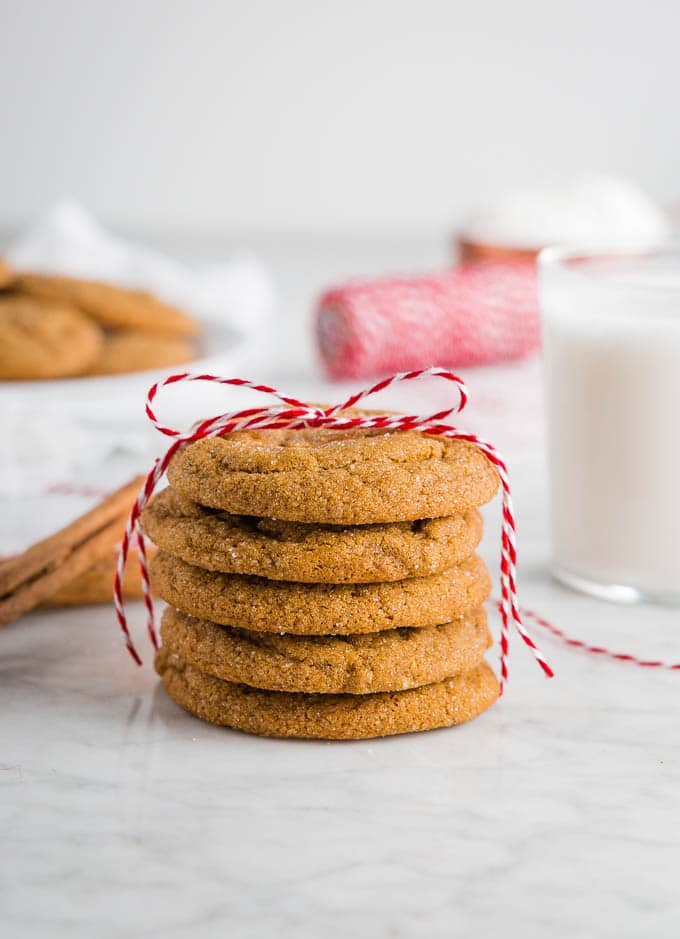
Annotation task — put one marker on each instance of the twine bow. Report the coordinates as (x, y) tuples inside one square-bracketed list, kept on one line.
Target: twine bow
[(292, 414)]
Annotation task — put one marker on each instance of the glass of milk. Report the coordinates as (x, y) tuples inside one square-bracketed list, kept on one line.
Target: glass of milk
[(612, 351)]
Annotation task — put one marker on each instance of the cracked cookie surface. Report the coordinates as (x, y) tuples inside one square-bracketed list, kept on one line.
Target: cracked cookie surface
[(326, 716), (351, 477), (393, 660), (319, 609), (301, 552)]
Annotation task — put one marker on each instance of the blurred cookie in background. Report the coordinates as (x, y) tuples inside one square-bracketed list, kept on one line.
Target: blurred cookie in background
[(133, 351), (5, 273), (111, 306), (41, 339), (60, 327), (186, 309)]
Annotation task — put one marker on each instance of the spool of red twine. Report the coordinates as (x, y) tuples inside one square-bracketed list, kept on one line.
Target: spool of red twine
[(478, 313)]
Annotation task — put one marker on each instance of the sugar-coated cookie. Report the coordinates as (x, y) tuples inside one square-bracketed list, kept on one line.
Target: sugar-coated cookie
[(277, 606), (302, 552), (330, 717), (393, 660), (351, 477)]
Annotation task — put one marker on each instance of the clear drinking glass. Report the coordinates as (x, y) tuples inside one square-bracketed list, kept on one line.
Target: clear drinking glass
[(612, 358)]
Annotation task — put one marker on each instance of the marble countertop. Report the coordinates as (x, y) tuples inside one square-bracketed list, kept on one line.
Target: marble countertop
[(555, 814)]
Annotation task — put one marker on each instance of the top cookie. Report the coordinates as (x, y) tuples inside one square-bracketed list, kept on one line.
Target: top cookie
[(109, 305), (352, 477)]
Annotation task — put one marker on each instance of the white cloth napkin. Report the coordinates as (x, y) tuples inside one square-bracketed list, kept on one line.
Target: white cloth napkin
[(68, 240), (56, 434)]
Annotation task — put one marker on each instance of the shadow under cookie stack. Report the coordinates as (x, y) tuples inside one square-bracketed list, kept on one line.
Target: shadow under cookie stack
[(324, 583)]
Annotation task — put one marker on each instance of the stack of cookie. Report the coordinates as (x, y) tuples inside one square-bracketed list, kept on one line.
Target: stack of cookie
[(324, 583), (59, 327)]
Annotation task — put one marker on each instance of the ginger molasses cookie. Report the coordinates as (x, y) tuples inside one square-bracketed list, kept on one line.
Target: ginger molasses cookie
[(131, 351), (111, 306), (276, 606), (330, 717), (44, 340), (393, 660), (6, 274), (308, 553), (335, 477)]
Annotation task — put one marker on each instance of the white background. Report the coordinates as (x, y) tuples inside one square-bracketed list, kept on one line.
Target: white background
[(372, 115)]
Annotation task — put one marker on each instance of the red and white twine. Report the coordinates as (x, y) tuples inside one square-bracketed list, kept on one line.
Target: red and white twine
[(292, 414), (601, 651)]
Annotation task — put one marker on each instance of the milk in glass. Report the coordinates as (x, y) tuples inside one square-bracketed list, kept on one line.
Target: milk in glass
[(612, 350)]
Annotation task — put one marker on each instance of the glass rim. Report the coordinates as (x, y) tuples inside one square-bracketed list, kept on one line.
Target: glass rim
[(554, 258)]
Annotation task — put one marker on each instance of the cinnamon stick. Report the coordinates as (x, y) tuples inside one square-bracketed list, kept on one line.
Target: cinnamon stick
[(30, 578)]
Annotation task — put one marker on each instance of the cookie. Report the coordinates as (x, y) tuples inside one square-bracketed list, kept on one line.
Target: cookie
[(111, 306), (393, 660), (351, 477), (326, 716), (272, 606), (6, 274), (307, 553), (44, 340), (130, 351)]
